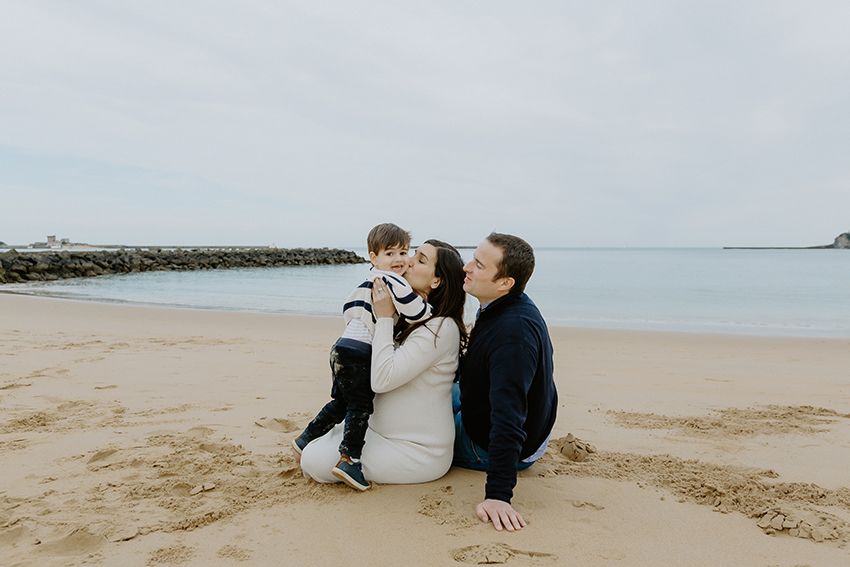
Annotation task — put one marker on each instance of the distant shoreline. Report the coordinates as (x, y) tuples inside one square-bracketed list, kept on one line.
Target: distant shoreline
[(829, 247), (27, 247)]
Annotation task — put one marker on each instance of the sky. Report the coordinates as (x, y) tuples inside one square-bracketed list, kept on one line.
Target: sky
[(576, 124)]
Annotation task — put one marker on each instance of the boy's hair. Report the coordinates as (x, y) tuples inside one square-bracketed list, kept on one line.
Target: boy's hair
[(386, 235), (517, 259)]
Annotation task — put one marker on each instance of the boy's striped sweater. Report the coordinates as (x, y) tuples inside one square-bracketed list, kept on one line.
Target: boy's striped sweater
[(409, 306)]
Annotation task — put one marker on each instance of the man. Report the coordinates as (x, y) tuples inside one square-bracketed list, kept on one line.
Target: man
[(505, 402)]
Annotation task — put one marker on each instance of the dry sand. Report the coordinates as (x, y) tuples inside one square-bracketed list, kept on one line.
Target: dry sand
[(142, 436)]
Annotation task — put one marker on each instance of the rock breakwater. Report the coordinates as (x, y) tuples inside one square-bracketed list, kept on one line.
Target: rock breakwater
[(16, 267)]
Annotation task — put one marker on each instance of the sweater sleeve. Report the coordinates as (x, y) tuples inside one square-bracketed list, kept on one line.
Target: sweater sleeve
[(512, 369), (407, 303), (394, 367)]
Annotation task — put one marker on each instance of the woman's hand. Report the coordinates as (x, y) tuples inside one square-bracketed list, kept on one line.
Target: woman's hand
[(382, 303)]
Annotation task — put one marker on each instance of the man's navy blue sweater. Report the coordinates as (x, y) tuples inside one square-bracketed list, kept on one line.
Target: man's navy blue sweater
[(508, 397)]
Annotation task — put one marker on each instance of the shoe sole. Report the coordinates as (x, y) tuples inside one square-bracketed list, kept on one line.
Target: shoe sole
[(296, 447), (344, 477)]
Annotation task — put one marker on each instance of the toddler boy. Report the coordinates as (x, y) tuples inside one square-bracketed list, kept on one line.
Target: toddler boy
[(351, 355)]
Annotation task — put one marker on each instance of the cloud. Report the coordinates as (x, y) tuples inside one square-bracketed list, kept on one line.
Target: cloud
[(572, 124)]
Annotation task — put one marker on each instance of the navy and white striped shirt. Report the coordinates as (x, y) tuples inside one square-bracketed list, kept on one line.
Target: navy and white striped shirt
[(357, 310)]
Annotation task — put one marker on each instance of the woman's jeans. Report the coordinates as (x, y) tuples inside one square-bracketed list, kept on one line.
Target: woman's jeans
[(468, 455)]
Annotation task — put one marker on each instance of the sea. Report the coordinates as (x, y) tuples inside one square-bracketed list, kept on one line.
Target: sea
[(752, 292)]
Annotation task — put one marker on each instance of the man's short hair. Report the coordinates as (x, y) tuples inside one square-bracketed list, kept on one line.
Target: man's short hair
[(387, 235), (517, 259)]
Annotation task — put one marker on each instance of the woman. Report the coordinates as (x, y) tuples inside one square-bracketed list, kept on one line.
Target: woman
[(411, 433)]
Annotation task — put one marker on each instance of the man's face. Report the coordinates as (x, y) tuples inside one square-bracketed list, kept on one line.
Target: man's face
[(481, 271), (392, 259)]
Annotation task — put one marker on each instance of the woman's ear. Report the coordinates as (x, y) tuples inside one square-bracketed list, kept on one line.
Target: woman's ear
[(436, 283)]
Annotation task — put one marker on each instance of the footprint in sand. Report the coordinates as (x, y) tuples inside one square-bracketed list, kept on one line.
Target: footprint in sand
[(441, 505), (104, 458), (181, 489), (234, 552), (78, 542), (172, 554), (499, 553), (277, 424), (199, 432), (19, 534), (120, 533), (583, 504)]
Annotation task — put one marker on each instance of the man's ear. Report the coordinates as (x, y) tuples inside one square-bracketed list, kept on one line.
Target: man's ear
[(507, 284)]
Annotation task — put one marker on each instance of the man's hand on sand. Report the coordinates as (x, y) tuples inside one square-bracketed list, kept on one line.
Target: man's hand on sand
[(501, 513)]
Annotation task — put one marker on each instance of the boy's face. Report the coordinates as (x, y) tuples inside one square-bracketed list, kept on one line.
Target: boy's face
[(392, 259)]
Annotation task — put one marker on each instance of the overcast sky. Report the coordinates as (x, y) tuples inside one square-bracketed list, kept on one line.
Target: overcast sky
[(626, 123)]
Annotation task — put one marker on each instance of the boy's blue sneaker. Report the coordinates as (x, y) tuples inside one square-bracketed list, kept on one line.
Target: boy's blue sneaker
[(298, 444), (350, 473)]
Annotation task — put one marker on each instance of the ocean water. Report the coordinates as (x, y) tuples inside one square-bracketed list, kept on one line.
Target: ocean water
[(765, 292)]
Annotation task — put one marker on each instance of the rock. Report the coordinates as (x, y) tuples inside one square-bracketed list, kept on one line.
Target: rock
[(842, 241), (818, 535), (196, 490), (794, 532), (790, 524), (208, 486), (37, 266)]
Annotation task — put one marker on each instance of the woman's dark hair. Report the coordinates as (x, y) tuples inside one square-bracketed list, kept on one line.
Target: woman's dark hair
[(449, 298)]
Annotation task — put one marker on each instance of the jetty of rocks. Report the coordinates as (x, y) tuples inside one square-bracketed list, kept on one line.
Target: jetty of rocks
[(17, 267)]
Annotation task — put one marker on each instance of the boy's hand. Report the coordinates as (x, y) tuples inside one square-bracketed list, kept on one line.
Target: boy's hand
[(382, 303)]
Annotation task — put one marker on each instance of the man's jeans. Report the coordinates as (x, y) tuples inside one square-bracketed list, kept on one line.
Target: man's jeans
[(467, 454), (351, 401)]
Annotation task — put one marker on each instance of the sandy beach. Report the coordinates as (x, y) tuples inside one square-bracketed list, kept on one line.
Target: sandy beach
[(140, 436)]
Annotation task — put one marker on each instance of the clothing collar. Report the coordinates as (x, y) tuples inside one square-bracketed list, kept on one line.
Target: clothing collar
[(498, 305)]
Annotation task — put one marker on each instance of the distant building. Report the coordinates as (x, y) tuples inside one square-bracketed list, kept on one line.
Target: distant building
[(53, 243)]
